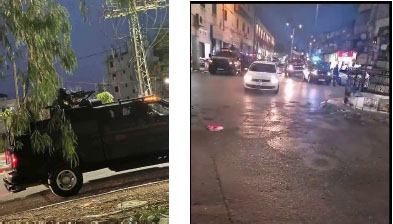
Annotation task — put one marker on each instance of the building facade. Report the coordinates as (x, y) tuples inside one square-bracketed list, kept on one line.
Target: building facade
[(121, 79), (217, 26)]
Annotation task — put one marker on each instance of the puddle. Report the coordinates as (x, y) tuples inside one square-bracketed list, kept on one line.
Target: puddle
[(320, 162)]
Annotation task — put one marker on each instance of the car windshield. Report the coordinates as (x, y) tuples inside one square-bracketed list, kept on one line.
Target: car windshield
[(226, 54), (323, 66), (258, 67)]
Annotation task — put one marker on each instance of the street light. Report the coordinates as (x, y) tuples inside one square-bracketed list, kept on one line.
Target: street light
[(293, 36)]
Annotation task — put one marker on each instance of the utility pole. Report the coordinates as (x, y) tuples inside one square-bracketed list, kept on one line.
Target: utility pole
[(131, 11)]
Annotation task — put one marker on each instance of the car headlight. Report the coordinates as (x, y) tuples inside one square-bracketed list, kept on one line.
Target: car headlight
[(290, 67), (274, 80), (329, 74), (247, 78), (231, 63), (314, 72)]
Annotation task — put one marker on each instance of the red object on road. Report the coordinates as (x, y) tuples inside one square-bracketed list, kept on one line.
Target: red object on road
[(214, 127)]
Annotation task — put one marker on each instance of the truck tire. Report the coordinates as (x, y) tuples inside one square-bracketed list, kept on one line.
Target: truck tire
[(212, 70), (64, 181)]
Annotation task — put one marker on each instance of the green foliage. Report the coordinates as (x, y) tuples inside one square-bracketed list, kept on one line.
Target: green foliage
[(42, 29), (105, 97), (150, 215)]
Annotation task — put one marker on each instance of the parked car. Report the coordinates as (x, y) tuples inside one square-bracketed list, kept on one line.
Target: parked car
[(119, 136), (262, 75), (319, 73), (295, 67), (342, 77), (227, 61)]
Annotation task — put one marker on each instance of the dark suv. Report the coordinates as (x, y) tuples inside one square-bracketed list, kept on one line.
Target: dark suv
[(120, 135), (318, 72), (227, 61)]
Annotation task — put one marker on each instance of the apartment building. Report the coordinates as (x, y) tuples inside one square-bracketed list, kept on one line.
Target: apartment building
[(216, 26), (121, 78)]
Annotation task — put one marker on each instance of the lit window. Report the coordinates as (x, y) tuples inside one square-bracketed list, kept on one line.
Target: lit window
[(116, 89)]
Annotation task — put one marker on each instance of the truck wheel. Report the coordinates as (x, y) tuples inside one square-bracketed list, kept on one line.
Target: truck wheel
[(65, 182), (212, 70)]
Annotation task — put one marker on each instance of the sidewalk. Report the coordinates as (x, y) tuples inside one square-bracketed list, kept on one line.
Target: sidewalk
[(337, 105)]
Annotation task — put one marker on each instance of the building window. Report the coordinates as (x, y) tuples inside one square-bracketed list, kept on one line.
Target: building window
[(248, 30), (121, 58), (214, 9), (225, 15), (126, 85), (243, 27), (116, 89), (111, 64), (129, 65), (237, 23), (124, 71), (200, 19), (113, 77), (133, 91), (203, 5), (128, 97)]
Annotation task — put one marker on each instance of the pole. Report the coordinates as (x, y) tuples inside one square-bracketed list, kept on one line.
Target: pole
[(293, 37)]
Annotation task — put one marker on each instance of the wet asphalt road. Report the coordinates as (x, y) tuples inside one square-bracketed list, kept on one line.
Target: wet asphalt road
[(281, 158)]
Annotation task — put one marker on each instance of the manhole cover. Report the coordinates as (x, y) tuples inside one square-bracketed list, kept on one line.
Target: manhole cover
[(131, 204)]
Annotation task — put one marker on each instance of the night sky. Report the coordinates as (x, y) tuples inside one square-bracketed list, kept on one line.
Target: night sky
[(92, 37), (330, 18)]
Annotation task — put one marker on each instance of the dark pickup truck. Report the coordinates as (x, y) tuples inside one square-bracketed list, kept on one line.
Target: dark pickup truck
[(119, 136)]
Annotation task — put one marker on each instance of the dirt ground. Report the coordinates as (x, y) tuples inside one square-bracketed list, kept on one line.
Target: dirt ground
[(109, 207)]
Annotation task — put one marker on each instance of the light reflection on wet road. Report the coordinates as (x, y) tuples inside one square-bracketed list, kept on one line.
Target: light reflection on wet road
[(282, 155)]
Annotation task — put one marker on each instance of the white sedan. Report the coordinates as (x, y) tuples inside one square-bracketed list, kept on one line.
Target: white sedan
[(262, 75)]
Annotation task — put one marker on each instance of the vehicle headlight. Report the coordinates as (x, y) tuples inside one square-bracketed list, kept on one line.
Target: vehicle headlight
[(247, 78), (290, 67), (329, 74), (274, 80), (314, 72), (231, 63)]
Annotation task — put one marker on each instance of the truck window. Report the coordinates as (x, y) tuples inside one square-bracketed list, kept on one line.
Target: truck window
[(158, 109)]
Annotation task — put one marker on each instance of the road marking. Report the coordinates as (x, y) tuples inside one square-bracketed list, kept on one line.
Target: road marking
[(97, 195)]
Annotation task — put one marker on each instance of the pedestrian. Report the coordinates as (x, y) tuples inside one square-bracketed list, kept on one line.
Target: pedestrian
[(335, 75)]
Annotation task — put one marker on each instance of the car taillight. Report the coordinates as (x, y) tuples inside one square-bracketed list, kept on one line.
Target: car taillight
[(14, 160)]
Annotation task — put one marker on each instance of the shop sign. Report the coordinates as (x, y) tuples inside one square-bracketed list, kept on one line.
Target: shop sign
[(203, 35), (345, 54)]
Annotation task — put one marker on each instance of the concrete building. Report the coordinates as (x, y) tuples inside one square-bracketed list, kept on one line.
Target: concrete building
[(371, 33), (121, 79), (217, 26)]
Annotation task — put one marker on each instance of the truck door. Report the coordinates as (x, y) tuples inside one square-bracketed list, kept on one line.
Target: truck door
[(124, 133)]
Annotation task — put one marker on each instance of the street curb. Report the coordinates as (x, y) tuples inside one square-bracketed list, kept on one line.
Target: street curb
[(3, 169), (91, 196)]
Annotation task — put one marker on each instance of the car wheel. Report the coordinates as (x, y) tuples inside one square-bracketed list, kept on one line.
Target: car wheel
[(212, 70), (278, 89), (65, 181)]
